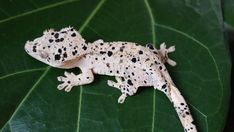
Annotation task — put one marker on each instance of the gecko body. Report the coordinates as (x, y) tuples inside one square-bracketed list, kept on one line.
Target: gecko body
[(132, 65)]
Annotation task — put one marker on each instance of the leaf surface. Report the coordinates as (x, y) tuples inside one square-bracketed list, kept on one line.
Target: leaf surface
[(29, 100), (228, 7)]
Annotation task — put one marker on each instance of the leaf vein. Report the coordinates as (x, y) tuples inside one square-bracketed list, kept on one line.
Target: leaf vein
[(21, 72), (86, 22), (37, 10), (30, 91)]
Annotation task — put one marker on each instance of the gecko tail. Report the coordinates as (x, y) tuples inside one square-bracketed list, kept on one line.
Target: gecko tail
[(182, 109)]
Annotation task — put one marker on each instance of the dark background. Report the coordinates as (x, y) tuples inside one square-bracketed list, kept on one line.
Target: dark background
[(230, 120)]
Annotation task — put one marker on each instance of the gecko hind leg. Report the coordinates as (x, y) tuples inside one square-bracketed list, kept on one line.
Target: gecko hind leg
[(115, 84), (119, 86), (126, 90), (123, 85)]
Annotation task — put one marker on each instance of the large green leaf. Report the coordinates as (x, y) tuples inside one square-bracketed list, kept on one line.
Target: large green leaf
[(29, 100)]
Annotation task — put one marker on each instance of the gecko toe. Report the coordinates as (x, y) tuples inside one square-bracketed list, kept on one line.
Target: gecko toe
[(61, 86), (61, 78), (68, 88)]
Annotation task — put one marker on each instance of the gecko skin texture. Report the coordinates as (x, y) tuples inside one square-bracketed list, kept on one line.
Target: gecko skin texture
[(132, 65)]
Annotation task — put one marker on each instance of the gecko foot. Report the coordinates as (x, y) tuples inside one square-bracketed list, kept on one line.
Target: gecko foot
[(68, 81), (122, 98), (164, 53)]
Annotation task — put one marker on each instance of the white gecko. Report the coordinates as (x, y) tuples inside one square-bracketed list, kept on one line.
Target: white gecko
[(132, 65)]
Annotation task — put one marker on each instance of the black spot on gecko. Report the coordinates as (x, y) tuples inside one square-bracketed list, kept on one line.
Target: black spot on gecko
[(187, 113), (133, 73), (133, 60), (61, 39), (130, 82), (51, 40), (155, 52), (147, 59), (150, 46), (73, 53), (121, 49), (164, 86), (113, 48), (57, 40), (57, 57), (156, 62), (102, 52), (108, 65), (56, 35), (73, 35), (65, 55), (84, 47), (140, 52), (109, 53), (59, 50), (160, 67), (34, 48)]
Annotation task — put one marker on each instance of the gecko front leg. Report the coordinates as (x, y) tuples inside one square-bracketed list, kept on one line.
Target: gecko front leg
[(71, 79)]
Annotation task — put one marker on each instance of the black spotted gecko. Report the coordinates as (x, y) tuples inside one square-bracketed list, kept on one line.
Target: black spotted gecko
[(132, 65)]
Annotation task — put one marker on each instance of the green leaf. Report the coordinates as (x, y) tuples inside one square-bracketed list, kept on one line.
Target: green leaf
[(29, 100), (228, 7)]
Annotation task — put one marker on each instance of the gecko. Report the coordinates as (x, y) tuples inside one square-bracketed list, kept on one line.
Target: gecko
[(131, 64)]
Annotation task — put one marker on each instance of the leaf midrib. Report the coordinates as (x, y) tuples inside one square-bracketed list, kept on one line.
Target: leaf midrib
[(99, 5), (152, 21)]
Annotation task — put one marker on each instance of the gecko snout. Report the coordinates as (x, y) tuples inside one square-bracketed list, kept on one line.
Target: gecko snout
[(27, 46)]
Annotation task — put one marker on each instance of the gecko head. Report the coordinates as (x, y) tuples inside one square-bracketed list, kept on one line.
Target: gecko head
[(56, 48)]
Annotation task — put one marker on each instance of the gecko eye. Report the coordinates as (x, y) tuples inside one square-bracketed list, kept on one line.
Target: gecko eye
[(43, 54)]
